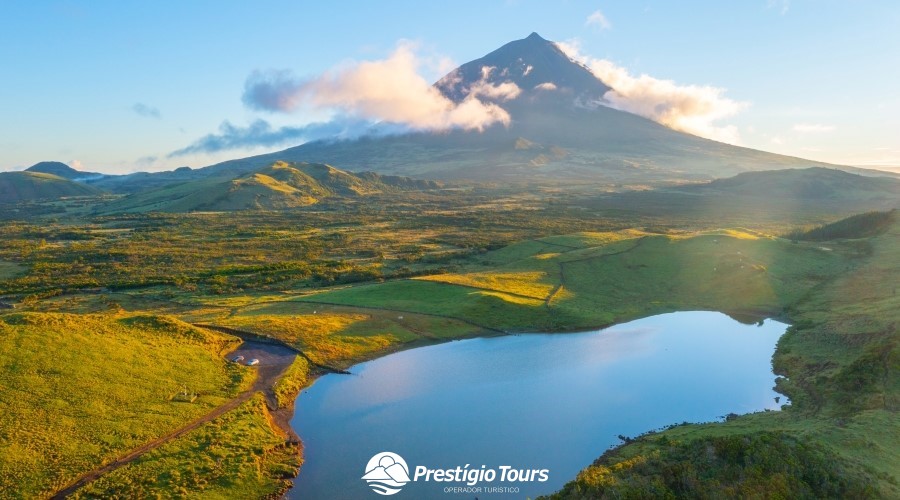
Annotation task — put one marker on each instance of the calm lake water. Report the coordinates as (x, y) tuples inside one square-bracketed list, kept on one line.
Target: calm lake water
[(531, 401)]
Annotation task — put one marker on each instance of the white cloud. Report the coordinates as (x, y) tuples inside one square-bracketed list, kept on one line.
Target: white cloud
[(545, 86), (599, 20), (812, 128), (499, 92), (390, 90), (76, 164), (696, 109)]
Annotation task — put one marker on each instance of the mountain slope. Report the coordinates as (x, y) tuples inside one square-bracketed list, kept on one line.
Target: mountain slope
[(281, 185), (559, 133), (529, 63), (17, 187)]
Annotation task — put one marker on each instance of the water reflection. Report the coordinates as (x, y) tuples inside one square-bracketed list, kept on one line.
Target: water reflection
[(530, 401)]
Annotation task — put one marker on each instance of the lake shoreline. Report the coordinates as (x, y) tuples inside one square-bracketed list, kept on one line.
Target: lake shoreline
[(745, 316)]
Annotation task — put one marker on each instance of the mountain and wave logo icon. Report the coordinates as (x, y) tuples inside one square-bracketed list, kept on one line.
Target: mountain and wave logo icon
[(386, 473)]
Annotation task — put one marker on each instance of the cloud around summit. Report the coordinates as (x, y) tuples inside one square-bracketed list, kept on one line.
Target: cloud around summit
[(695, 109), (379, 97), (390, 90), (390, 95)]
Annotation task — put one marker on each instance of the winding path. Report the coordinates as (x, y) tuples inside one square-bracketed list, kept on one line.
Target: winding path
[(274, 360)]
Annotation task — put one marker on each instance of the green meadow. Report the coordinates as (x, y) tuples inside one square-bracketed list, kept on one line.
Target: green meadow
[(101, 340), (238, 455), (612, 278), (80, 390)]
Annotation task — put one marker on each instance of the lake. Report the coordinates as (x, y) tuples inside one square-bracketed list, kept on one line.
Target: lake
[(544, 402)]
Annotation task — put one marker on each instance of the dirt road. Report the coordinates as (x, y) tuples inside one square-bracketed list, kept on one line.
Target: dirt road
[(273, 360)]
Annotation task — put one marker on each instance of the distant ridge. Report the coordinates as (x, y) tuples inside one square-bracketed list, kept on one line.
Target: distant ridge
[(809, 183), (280, 185), (768, 195)]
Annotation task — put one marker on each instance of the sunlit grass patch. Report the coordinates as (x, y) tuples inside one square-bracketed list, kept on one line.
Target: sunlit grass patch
[(241, 300), (325, 338), (529, 284), (292, 381), (238, 455), (79, 390), (404, 324), (450, 301), (592, 239), (512, 299)]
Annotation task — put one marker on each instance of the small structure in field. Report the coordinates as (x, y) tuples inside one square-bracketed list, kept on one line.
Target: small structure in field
[(184, 396)]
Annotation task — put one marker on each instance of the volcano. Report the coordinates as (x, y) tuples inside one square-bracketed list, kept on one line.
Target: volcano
[(560, 132)]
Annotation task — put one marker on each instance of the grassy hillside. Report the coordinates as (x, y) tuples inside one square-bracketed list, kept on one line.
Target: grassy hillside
[(16, 187), (858, 226), (238, 455), (79, 390), (279, 186), (760, 465)]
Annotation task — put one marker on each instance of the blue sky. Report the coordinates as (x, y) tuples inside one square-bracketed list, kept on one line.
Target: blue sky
[(118, 86)]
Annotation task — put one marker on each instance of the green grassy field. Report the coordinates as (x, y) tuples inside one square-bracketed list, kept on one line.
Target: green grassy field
[(347, 283), (239, 455), (80, 390), (295, 378), (339, 337), (624, 276)]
